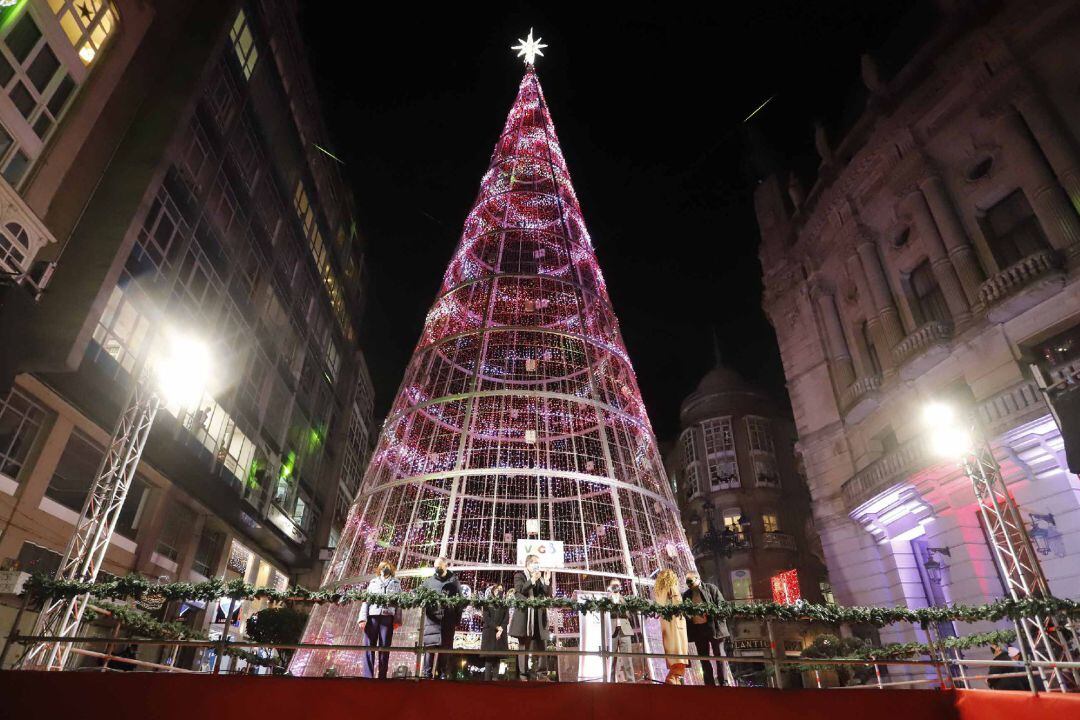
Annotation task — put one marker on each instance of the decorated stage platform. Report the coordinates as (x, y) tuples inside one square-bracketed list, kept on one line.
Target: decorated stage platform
[(146, 696)]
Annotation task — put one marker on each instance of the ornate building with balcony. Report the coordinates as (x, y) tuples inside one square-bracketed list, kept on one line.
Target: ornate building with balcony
[(936, 258), (744, 503), (158, 166)]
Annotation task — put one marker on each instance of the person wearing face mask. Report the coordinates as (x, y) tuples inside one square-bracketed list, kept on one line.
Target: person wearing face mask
[(530, 625), (440, 621), (622, 637), (494, 637), (707, 632), (377, 622)]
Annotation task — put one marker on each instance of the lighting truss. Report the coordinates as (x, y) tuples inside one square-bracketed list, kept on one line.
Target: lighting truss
[(88, 544), (519, 404), (1039, 636)]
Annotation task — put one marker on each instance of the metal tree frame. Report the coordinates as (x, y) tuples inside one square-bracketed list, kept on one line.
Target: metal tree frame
[(86, 549), (1039, 637), (519, 404)]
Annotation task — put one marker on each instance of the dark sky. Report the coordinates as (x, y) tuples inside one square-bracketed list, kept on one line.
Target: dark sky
[(649, 106)]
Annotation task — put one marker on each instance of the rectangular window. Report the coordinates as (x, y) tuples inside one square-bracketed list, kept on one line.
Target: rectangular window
[(36, 559), (742, 589), (928, 302), (175, 532), (87, 24), (770, 522), (21, 421), (689, 452), (1012, 230), (247, 54), (731, 517), (211, 543), (122, 330), (760, 437), (74, 476), (356, 452), (720, 453)]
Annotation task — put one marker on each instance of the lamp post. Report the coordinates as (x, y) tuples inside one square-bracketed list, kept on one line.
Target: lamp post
[(1039, 637), (175, 376)]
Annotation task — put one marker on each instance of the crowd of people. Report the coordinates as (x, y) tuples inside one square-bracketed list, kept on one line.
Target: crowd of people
[(529, 626)]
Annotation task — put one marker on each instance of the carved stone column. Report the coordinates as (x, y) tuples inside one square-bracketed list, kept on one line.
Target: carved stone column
[(960, 249), (879, 290), (1054, 142), (835, 342), (1048, 199), (873, 320), (928, 234)]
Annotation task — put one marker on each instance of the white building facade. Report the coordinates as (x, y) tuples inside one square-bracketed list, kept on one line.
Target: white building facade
[(936, 258)]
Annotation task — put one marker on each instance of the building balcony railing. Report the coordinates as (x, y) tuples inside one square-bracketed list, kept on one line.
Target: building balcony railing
[(886, 471), (860, 398), (778, 541), (1022, 285), (1021, 403), (22, 236), (923, 349)]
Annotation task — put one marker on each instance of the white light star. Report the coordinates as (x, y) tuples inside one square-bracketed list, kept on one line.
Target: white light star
[(529, 48)]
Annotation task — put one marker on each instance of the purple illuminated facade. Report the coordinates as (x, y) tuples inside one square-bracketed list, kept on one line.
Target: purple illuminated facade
[(519, 404)]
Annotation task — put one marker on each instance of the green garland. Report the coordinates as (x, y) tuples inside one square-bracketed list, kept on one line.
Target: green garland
[(905, 651), (142, 625), (135, 587)]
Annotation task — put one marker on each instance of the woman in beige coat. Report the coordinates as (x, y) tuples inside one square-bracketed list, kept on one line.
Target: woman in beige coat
[(666, 592)]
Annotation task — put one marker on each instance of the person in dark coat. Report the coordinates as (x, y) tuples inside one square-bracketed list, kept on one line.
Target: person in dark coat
[(440, 621), (495, 636), (530, 625), (707, 632), (1009, 683)]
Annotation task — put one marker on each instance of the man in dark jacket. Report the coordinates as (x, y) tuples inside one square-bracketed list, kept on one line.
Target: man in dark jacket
[(707, 632), (440, 621), (530, 625), (1009, 683), (494, 637)]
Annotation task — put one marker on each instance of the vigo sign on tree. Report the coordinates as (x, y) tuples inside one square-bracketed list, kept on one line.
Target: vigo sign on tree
[(519, 404)]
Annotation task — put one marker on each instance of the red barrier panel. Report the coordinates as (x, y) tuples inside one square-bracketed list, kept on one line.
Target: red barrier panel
[(1013, 705), (159, 696)]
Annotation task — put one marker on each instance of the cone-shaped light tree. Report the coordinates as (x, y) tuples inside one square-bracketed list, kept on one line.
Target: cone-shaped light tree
[(518, 416)]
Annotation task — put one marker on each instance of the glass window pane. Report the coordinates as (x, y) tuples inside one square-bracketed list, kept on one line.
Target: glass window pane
[(23, 99), (60, 95), (41, 127), (5, 141), (71, 28), (6, 71), (16, 167), (43, 68), (23, 37)]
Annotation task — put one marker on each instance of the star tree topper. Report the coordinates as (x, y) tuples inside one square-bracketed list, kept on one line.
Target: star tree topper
[(529, 48)]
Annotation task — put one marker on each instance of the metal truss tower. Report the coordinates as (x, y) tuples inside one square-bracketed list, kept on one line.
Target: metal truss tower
[(87, 547)]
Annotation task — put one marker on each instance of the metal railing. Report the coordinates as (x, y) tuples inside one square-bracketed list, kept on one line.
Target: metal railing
[(940, 670)]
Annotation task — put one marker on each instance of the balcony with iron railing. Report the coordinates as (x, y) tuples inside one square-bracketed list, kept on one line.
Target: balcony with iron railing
[(778, 541), (1022, 285), (922, 349)]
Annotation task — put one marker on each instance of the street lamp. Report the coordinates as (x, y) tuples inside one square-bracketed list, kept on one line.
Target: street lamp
[(935, 567), (1040, 536), (956, 435), (177, 375)]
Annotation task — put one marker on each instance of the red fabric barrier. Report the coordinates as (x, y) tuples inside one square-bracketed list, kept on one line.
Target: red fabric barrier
[(158, 696), (1012, 705)]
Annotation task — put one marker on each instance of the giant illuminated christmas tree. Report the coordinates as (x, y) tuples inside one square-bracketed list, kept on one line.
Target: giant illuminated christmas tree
[(519, 414)]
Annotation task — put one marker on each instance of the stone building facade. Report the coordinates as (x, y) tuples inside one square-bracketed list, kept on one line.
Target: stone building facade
[(935, 258), (736, 474), (167, 171)]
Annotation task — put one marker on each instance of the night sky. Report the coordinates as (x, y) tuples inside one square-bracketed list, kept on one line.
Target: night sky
[(649, 107)]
